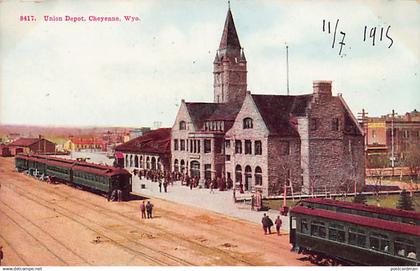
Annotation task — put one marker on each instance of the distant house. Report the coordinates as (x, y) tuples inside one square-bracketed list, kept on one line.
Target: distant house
[(89, 143), (31, 145), (150, 151), (4, 150)]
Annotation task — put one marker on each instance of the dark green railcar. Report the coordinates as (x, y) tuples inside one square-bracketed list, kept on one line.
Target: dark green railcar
[(334, 237), (402, 216)]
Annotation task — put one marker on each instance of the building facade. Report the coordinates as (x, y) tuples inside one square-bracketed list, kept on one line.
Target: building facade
[(31, 145), (381, 141), (305, 143), (150, 151)]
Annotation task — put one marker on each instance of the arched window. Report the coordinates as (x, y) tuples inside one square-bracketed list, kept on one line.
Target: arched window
[(182, 125), (153, 163), (247, 123), (248, 178), (258, 176), (195, 169), (182, 166), (148, 162), (136, 161), (131, 160), (127, 163), (238, 174), (176, 166), (158, 164), (141, 162)]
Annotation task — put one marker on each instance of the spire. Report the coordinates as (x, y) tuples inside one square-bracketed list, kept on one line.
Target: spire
[(230, 37)]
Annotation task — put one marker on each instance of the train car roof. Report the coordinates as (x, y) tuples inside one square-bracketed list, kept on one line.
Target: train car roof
[(360, 220), (100, 169), (364, 207)]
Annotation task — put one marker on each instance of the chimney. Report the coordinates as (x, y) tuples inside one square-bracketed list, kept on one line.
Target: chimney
[(322, 89)]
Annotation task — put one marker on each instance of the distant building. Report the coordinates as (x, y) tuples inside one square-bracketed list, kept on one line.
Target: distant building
[(149, 151), (263, 143), (406, 135), (31, 145), (138, 132), (89, 143)]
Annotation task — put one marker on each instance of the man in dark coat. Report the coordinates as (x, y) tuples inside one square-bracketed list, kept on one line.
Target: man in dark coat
[(264, 222), (160, 186), (270, 224), (149, 209), (165, 186)]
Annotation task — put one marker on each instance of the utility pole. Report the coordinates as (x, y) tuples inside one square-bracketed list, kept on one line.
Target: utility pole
[(392, 143), (287, 68)]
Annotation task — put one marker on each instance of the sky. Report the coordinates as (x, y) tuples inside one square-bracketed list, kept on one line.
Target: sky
[(135, 73)]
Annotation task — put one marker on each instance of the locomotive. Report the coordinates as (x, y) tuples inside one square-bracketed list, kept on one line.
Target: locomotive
[(101, 179)]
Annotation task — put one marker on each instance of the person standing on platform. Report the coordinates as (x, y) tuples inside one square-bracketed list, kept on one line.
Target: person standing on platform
[(278, 223), (160, 186), (143, 210), (149, 209), (165, 186), (264, 222)]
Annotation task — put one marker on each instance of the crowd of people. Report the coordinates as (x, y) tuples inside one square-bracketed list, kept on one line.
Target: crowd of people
[(164, 178)]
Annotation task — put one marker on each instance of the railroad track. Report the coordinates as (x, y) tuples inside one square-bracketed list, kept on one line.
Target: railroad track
[(169, 235), (100, 230), (14, 249)]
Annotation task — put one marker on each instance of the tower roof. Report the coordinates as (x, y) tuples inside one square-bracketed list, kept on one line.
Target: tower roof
[(230, 37)]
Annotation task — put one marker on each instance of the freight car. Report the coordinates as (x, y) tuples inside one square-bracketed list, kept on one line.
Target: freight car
[(102, 179), (333, 237)]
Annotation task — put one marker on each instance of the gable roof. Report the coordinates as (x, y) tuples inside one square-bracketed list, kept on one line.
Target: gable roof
[(26, 142), (277, 110), (201, 112), (156, 141)]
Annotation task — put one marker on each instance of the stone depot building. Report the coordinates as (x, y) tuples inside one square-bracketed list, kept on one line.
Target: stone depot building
[(307, 143)]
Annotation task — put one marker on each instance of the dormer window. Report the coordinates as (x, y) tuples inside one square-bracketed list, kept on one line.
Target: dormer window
[(182, 125), (247, 123)]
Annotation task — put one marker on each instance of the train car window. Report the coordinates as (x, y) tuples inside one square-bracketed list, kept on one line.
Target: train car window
[(405, 248), (336, 232), (318, 229), (357, 237), (379, 242), (304, 226)]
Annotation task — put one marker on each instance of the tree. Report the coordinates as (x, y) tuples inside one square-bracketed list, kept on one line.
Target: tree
[(405, 202), (412, 161), (360, 198)]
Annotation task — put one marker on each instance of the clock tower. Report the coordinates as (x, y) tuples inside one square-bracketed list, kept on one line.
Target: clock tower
[(229, 66)]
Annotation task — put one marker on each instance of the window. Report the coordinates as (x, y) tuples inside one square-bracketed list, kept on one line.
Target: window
[(238, 174), (285, 148), (258, 176), (182, 125), (357, 237), (304, 227), (258, 147), (227, 144), (247, 123), (238, 146), (336, 232), (313, 124), (318, 229), (207, 171), (218, 145), (182, 141), (248, 147), (406, 134), (207, 145), (198, 146), (405, 248), (227, 157), (379, 242), (335, 124)]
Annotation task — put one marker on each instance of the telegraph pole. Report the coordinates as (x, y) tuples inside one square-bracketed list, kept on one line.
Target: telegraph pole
[(392, 143), (287, 68)]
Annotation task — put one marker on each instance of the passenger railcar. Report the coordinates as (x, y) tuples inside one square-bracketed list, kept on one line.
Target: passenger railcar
[(99, 178), (396, 215), (343, 238)]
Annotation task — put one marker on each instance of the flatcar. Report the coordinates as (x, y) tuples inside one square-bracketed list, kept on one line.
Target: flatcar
[(331, 237), (102, 179), (396, 215)]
